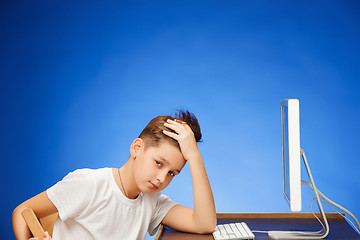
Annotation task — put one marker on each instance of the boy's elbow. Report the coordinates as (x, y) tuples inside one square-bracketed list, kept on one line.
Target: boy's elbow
[(211, 227), (207, 228)]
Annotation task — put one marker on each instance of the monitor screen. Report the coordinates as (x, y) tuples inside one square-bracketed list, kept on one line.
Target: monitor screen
[(291, 152)]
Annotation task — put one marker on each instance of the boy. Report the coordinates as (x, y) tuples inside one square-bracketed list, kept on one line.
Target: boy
[(127, 202)]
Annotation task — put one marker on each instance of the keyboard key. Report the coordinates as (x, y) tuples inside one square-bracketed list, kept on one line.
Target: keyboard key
[(233, 231), (250, 233)]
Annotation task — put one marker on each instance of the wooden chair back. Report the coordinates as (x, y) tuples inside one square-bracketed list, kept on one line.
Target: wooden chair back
[(38, 228)]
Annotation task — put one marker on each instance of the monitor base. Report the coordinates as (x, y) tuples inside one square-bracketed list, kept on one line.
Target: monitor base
[(303, 234)]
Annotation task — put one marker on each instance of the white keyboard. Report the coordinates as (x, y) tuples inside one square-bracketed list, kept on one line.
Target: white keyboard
[(233, 231)]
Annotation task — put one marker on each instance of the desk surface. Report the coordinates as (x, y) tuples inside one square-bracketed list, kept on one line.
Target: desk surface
[(339, 227)]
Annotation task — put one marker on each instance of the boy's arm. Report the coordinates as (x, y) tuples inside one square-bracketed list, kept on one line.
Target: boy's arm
[(201, 219), (42, 207)]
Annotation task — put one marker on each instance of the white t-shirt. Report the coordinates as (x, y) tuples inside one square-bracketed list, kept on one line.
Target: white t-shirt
[(91, 206)]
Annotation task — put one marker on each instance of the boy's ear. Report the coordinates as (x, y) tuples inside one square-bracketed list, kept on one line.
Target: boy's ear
[(135, 147)]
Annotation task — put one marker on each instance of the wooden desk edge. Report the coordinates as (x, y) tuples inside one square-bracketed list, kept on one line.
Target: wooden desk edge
[(221, 216)]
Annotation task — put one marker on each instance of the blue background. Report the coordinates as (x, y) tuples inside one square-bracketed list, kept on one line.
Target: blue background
[(80, 80)]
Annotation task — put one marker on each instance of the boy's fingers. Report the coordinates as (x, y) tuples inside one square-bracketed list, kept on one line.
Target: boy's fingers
[(170, 134), (175, 122), (176, 126), (172, 127), (181, 123), (47, 236)]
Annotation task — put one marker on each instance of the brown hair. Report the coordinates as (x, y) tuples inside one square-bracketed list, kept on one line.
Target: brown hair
[(153, 134)]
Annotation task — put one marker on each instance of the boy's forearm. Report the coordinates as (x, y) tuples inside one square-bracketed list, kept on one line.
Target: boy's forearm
[(20, 228), (204, 213), (204, 206)]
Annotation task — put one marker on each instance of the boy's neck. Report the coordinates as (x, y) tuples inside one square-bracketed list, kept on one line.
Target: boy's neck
[(127, 179)]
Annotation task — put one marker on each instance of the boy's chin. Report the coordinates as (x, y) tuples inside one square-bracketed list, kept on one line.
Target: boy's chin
[(149, 191)]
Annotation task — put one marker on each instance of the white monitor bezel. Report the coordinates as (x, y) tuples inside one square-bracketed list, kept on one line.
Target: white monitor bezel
[(294, 166)]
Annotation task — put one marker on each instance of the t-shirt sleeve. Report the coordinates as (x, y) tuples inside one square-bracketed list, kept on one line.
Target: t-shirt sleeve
[(72, 194), (163, 205)]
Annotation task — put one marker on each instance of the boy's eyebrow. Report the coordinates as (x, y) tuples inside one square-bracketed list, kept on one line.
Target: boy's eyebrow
[(164, 160)]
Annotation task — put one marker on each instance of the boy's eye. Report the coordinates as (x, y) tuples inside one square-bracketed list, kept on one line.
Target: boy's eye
[(171, 173), (158, 163)]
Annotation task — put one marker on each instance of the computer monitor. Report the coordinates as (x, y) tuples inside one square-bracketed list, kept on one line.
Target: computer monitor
[(292, 158), (290, 119)]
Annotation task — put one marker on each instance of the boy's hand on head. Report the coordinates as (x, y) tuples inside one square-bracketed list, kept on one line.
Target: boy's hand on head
[(184, 135)]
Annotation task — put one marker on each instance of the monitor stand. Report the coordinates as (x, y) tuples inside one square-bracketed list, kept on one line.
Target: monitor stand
[(305, 234)]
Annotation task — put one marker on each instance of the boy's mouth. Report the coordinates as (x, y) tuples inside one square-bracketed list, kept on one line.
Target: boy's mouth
[(153, 186)]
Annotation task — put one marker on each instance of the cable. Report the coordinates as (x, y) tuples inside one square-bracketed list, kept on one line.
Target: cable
[(342, 216), (298, 235), (328, 201), (323, 226)]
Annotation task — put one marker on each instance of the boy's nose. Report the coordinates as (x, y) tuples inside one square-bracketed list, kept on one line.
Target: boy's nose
[(161, 177)]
